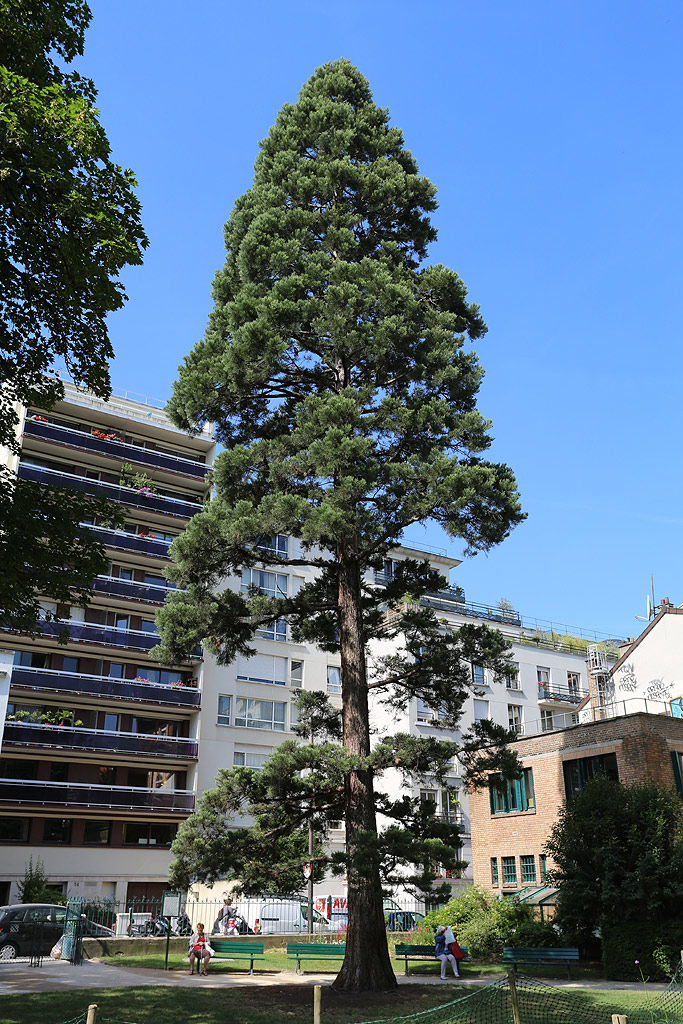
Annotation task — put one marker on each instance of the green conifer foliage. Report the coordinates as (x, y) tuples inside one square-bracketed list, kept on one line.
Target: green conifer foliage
[(338, 370)]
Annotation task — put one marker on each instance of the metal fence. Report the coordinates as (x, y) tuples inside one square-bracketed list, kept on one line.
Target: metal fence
[(141, 918)]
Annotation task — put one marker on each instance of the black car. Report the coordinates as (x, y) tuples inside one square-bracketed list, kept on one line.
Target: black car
[(21, 922)]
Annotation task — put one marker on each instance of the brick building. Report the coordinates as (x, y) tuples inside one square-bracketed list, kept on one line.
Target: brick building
[(510, 825)]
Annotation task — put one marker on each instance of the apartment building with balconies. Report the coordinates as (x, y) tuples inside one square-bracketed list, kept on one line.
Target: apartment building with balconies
[(100, 745)]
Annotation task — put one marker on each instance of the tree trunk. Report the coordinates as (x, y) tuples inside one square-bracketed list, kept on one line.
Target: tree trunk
[(366, 966)]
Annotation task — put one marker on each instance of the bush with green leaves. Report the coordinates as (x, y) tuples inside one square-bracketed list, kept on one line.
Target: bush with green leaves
[(485, 923), (35, 887)]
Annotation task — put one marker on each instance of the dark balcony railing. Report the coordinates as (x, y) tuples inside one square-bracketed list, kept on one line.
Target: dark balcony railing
[(103, 636), (39, 679), (122, 541), (67, 737), (549, 693), (121, 450), (82, 794), (150, 593), (128, 496)]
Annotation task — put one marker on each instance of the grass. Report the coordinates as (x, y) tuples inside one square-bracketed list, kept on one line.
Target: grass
[(276, 960), (273, 1004)]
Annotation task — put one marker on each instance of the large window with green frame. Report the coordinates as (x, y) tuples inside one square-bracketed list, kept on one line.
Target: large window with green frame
[(506, 797)]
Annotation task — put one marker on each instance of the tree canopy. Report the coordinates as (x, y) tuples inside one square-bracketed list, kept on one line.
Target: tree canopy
[(339, 374), (69, 222), (618, 862)]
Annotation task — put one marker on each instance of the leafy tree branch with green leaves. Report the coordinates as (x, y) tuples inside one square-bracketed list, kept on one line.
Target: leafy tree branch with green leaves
[(69, 223), (339, 373)]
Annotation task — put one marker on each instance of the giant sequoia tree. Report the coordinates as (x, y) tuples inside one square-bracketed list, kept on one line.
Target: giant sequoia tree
[(69, 222), (338, 372)]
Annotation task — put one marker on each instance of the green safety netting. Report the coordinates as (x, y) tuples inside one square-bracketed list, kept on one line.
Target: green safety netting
[(541, 1003)]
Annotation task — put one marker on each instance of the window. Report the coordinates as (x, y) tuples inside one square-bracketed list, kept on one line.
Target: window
[(511, 678), (546, 720), (223, 710), (111, 722), (11, 769), (494, 870), (429, 796), (148, 626), (28, 659), (270, 584), (155, 581), (97, 833), (333, 679), (573, 683), (388, 571), (507, 797), (274, 631), (578, 771), (121, 621), (263, 668), (246, 759), (260, 714), (107, 775), (168, 677), (426, 713), (528, 865), (125, 574), (509, 871), (59, 771), (148, 833), (478, 675), (543, 863), (57, 830), (515, 717), (273, 546), (481, 710), (543, 679), (115, 670), (450, 805), (14, 830), (296, 673), (70, 665)]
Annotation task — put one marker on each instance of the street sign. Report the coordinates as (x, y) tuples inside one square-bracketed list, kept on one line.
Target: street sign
[(307, 870)]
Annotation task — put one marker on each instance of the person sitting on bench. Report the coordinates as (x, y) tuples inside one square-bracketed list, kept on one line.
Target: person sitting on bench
[(200, 948)]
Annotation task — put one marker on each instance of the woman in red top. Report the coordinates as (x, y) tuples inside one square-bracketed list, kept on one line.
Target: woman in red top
[(198, 948)]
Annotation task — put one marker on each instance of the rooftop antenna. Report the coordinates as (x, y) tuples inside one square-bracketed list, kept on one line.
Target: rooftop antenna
[(650, 610)]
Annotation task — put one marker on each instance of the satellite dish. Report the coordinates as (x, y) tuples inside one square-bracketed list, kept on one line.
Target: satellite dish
[(648, 606)]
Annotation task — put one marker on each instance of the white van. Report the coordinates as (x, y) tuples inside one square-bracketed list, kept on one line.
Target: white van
[(286, 917)]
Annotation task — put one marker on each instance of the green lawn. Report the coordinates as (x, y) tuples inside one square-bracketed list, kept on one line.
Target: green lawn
[(276, 960), (267, 1005)]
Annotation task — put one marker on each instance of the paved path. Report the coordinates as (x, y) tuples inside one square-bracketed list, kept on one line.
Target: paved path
[(55, 975)]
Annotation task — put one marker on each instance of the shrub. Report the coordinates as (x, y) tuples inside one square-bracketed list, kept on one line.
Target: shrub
[(650, 949), (35, 887), (484, 923)]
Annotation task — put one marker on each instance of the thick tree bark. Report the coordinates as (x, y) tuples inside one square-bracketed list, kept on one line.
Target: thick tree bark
[(367, 965)]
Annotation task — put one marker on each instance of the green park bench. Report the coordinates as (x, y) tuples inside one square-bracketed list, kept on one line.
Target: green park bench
[(536, 955), (314, 951), (410, 951), (231, 949)]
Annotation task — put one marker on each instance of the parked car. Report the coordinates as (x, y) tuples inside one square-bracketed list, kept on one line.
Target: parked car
[(398, 919), (18, 926), (279, 916)]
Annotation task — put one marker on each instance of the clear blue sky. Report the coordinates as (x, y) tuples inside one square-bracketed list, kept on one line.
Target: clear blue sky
[(553, 133)]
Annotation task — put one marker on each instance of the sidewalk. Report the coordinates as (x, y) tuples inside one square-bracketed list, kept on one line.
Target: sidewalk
[(56, 975)]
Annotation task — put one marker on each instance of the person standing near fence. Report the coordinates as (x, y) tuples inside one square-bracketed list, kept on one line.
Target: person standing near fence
[(226, 914), (443, 953)]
